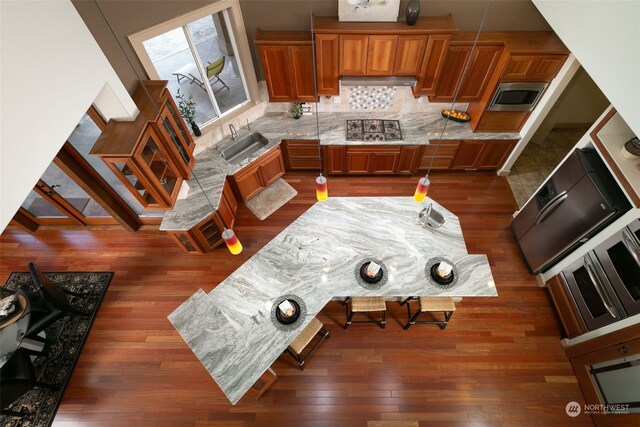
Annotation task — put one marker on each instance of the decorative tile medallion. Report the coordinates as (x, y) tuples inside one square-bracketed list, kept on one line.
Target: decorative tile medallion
[(371, 97)]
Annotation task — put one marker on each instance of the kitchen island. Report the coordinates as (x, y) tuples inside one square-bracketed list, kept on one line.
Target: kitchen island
[(230, 329)]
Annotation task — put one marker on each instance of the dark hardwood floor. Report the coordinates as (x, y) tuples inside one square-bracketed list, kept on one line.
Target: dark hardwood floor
[(499, 362)]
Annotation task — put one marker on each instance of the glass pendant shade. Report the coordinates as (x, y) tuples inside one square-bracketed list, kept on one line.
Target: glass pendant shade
[(322, 191), (232, 242), (421, 190)]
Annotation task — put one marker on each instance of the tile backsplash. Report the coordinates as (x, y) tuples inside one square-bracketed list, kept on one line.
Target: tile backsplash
[(371, 97)]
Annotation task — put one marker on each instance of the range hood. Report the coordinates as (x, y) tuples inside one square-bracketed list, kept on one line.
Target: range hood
[(378, 81)]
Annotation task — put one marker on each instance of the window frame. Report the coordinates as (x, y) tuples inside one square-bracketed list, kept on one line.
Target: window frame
[(243, 52)]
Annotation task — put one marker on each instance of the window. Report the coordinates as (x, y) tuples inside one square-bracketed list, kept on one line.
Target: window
[(203, 55)]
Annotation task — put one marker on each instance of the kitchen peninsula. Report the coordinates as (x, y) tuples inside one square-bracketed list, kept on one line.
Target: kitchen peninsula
[(206, 187), (230, 329)]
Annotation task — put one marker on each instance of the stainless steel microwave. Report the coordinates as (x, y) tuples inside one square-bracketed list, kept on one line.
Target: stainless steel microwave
[(516, 96)]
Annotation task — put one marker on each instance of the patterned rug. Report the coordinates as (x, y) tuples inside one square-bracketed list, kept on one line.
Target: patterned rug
[(67, 336)]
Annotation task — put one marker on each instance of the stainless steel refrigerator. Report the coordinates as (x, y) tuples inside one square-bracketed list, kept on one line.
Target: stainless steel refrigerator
[(574, 204)]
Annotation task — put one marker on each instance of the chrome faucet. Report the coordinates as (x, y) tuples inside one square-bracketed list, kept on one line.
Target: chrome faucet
[(234, 132), (248, 125)]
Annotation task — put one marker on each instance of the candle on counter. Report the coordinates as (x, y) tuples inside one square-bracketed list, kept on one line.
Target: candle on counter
[(372, 269), (444, 269), (287, 308)]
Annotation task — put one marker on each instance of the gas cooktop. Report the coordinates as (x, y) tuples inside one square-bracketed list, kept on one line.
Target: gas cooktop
[(373, 130)]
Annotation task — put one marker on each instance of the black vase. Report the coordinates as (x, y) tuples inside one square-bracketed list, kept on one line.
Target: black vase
[(413, 11), (195, 129)]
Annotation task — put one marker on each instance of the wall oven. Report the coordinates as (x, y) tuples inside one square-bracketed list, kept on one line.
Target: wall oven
[(605, 283), (516, 96)]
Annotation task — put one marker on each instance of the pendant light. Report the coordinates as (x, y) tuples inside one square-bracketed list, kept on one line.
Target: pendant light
[(423, 184), (232, 242), (322, 188)]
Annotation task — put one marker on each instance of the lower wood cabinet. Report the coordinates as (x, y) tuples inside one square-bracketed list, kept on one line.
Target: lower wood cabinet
[(301, 154), (207, 235), (444, 155), (607, 370), (259, 174), (482, 154), (567, 311), (371, 159)]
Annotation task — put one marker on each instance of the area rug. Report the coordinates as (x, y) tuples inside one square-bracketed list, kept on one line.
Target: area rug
[(67, 337), (271, 199)]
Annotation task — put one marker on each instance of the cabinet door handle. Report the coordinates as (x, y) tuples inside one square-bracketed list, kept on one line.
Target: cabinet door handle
[(596, 283), (623, 350), (631, 245), (551, 206)]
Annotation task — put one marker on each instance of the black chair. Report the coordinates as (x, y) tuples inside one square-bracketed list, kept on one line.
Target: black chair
[(49, 304), (17, 377)]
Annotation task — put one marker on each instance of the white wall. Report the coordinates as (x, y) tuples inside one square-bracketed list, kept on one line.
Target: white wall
[(604, 37), (51, 71)]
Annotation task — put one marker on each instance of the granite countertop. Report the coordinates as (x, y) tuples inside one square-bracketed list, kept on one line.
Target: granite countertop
[(210, 171), (230, 329)]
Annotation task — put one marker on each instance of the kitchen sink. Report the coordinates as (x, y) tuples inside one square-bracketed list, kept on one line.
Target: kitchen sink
[(243, 147)]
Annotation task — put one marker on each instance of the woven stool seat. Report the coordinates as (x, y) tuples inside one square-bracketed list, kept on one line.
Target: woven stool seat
[(365, 304), (306, 336), (436, 304)]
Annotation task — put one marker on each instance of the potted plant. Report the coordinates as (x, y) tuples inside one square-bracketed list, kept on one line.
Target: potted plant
[(187, 107), (296, 110)]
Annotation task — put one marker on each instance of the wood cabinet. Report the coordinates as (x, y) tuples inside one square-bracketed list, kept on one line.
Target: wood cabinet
[(410, 158), (410, 55), (606, 368), (482, 154), (482, 63), (301, 154), (353, 54), (326, 49), (568, 313), (444, 155), (287, 61), (371, 159), (207, 235), (532, 68), (379, 49), (334, 159), (250, 180), (381, 55), (432, 65), (152, 154)]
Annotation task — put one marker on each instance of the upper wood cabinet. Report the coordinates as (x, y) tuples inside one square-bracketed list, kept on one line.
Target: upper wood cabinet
[(353, 54), (432, 64), (532, 68), (482, 63), (287, 61), (327, 47), (152, 154), (381, 55), (379, 49), (409, 55)]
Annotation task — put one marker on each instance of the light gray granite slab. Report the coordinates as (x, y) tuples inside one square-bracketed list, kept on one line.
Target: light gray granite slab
[(230, 330), (210, 171)]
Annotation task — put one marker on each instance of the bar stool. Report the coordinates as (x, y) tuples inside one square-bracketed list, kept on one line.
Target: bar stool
[(365, 305), (430, 304), (303, 339)]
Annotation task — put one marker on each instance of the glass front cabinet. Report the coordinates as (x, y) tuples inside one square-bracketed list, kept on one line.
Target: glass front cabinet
[(152, 154)]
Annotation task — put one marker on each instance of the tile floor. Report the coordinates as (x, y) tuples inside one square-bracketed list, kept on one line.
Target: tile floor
[(538, 160)]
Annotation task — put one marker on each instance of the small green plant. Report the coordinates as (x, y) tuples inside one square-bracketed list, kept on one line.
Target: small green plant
[(187, 107), (296, 110)]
